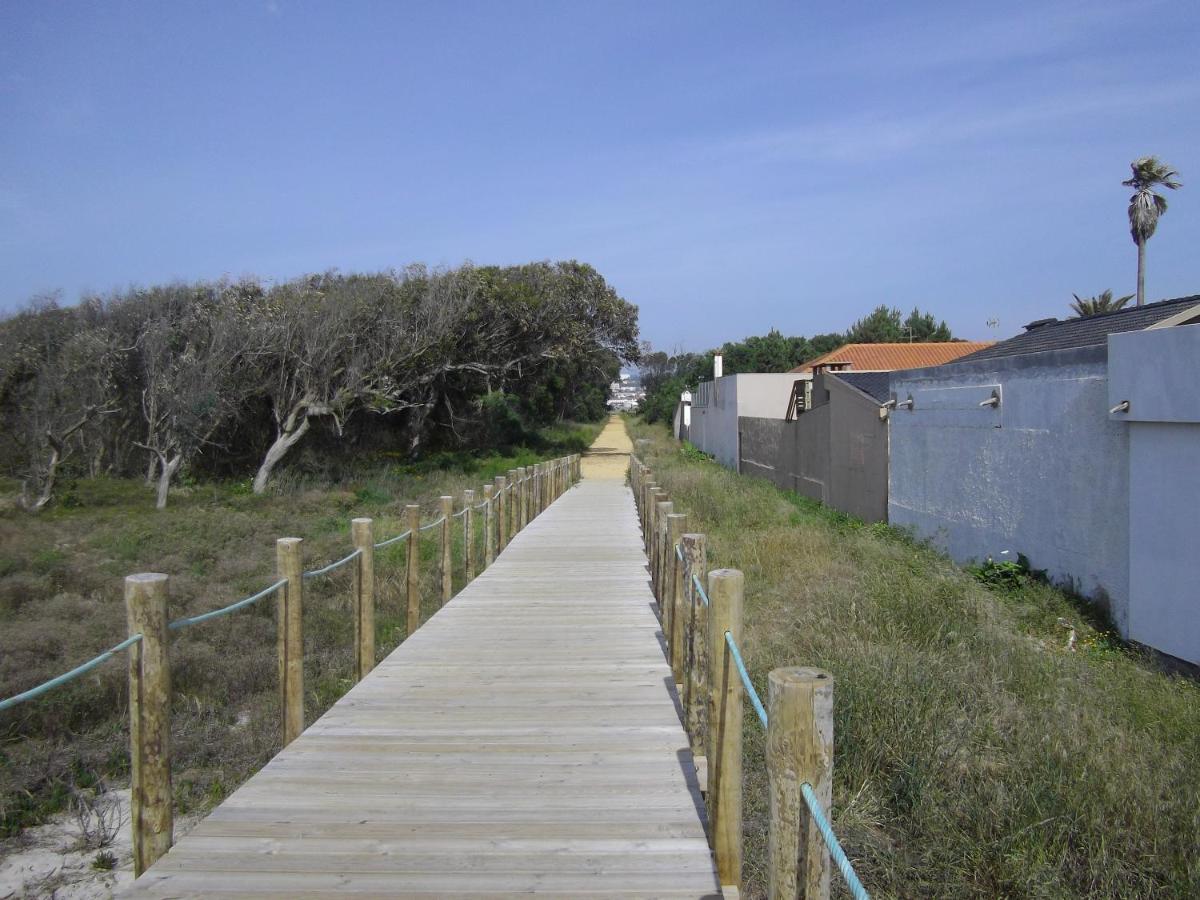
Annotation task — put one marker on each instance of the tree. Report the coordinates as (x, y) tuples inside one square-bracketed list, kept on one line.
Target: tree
[(194, 355), (1145, 207), (1101, 303), (886, 326)]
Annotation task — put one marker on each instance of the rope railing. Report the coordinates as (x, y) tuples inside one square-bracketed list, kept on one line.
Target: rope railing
[(392, 540), (146, 597), (755, 700), (701, 633), (333, 566), (226, 610), (62, 679)]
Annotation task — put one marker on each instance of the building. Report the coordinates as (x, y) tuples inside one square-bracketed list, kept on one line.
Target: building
[(625, 393), (890, 357), (1076, 443)]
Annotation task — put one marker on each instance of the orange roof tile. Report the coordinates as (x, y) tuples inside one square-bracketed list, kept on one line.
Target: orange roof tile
[(890, 357)]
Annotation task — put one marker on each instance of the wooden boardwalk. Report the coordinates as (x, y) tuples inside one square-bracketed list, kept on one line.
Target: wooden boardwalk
[(525, 739)]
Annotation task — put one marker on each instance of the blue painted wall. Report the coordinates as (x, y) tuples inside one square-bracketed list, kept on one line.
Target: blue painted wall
[(1045, 473)]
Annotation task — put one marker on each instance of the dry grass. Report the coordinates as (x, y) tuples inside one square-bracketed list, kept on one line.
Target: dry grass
[(61, 602), (975, 755)]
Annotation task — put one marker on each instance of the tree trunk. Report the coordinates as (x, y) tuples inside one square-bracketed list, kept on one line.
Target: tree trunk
[(1141, 290), (166, 473), (277, 451), (151, 469)]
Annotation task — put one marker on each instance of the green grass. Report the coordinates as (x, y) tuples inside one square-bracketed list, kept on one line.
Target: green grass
[(61, 602), (975, 755)]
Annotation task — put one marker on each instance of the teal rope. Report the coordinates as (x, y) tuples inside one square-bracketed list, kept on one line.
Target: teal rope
[(679, 552), (741, 667), (226, 610), (333, 565), (835, 849), (433, 524), (700, 588), (69, 676), (398, 537)]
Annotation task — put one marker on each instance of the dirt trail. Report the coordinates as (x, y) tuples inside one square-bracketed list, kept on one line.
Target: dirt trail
[(608, 457)]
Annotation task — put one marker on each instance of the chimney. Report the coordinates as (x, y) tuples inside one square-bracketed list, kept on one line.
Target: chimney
[(718, 365)]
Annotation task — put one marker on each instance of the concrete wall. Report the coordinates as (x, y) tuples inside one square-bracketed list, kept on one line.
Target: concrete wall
[(1045, 474), (717, 405), (836, 452), (1158, 372)]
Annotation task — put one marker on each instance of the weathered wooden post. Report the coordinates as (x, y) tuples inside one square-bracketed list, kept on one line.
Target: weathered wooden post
[(648, 486), (539, 488), (695, 686), (799, 751), (413, 568), (522, 498), (651, 530), (663, 508), (676, 526), (501, 508), (151, 813), (446, 504), (514, 502), (724, 749), (289, 558), (363, 534), (469, 536), (489, 526)]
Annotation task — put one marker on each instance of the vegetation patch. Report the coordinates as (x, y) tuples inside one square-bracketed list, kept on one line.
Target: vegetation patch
[(61, 602), (979, 751)]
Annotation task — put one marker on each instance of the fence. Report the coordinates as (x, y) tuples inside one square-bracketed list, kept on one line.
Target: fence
[(701, 615), (508, 505)]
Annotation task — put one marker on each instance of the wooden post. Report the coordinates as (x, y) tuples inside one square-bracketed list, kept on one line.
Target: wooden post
[(151, 814), (522, 498), (663, 508), (362, 532), (289, 559), (724, 749), (489, 526), (799, 750), (676, 526), (469, 536), (447, 560), (648, 484), (413, 573), (514, 502), (695, 686), (501, 508), (539, 488), (651, 530)]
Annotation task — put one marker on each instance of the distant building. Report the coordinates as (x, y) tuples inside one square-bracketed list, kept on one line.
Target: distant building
[(625, 393)]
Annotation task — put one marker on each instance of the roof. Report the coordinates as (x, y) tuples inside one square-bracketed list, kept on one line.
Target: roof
[(889, 357), (873, 384), (1066, 334)]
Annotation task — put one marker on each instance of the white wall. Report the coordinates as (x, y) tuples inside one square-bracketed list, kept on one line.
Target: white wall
[(714, 427)]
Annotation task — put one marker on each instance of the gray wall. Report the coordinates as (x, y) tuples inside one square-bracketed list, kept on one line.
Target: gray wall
[(836, 453), (1045, 474), (1158, 372), (717, 405)]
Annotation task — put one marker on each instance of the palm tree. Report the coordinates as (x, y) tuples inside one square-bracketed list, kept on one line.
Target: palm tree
[(1101, 303), (1145, 207)]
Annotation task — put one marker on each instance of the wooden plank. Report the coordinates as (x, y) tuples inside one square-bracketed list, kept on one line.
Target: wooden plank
[(525, 739)]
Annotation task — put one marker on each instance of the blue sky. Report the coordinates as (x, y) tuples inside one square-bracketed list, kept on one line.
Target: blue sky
[(728, 167)]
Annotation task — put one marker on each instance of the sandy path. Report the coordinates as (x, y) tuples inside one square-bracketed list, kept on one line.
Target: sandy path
[(608, 457)]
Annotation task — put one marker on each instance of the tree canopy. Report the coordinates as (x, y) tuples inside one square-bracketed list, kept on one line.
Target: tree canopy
[(157, 379)]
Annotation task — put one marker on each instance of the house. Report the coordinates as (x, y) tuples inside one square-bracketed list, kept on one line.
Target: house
[(1076, 443), (889, 357)]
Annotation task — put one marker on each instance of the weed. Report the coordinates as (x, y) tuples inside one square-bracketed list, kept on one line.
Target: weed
[(104, 861)]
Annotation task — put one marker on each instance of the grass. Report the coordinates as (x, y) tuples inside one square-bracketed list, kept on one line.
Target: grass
[(61, 602), (975, 755)]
